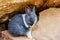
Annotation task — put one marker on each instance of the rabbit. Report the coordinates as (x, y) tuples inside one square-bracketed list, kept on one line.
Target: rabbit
[(20, 23)]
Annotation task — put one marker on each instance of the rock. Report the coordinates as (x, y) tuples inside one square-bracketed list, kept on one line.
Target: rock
[(53, 3), (48, 25), (9, 7), (2, 27), (7, 36), (0, 39), (38, 3)]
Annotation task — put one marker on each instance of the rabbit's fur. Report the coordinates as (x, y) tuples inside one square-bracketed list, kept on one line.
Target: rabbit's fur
[(17, 25)]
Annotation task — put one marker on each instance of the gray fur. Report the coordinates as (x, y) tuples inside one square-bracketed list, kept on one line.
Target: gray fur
[(17, 27)]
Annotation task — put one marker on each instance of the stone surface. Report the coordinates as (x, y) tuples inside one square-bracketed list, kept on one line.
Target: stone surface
[(0, 38), (2, 27), (7, 36), (49, 24), (9, 7), (52, 3)]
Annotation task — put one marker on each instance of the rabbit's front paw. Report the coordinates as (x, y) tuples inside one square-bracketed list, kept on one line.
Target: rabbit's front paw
[(29, 35)]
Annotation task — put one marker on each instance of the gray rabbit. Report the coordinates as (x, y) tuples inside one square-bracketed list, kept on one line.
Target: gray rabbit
[(20, 23)]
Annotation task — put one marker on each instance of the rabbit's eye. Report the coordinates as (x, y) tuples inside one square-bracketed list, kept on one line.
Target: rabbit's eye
[(31, 20)]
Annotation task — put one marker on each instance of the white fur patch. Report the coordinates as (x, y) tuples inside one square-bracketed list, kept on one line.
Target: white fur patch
[(29, 34), (24, 20), (35, 22)]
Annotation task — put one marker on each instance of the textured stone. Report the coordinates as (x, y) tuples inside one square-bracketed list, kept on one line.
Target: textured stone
[(7, 36), (2, 27), (52, 3), (9, 7), (49, 24)]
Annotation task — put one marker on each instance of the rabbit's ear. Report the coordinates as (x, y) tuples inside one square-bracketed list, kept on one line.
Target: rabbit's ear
[(33, 10), (27, 10)]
